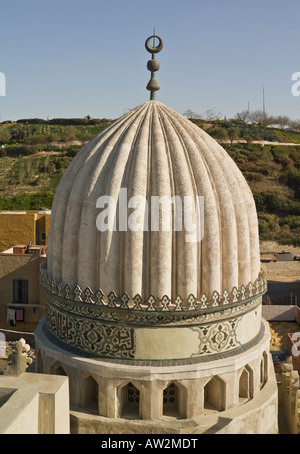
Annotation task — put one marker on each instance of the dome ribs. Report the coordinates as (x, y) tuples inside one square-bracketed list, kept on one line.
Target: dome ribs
[(174, 251), (154, 151), (186, 259), (242, 204), (109, 183), (209, 267), (161, 240), (135, 179), (61, 200)]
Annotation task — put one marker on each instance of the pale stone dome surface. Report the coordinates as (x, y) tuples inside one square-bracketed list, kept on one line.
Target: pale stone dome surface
[(154, 151)]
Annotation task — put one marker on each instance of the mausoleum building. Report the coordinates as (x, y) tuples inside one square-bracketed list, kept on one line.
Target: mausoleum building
[(158, 326)]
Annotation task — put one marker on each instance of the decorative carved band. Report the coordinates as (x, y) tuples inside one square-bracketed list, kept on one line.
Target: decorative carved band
[(101, 339), (152, 304)]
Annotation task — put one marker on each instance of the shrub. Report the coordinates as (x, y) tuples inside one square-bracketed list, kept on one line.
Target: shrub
[(248, 138), (292, 221), (38, 139), (253, 176), (26, 201), (69, 133), (21, 150), (69, 121), (32, 121), (72, 150), (272, 203), (5, 135), (286, 238), (218, 133), (293, 177)]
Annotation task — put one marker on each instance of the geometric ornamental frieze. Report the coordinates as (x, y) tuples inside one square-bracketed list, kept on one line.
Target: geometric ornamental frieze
[(117, 341), (216, 338), (151, 304)]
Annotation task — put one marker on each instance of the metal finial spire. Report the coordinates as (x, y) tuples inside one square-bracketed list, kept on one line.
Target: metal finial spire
[(153, 65)]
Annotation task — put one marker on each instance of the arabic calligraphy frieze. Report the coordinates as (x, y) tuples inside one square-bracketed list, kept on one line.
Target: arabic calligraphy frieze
[(92, 336)]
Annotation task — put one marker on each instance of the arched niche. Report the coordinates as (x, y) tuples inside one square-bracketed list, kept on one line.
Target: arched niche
[(214, 394), (129, 401), (263, 370), (57, 369), (246, 384), (174, 401), (89, 394)]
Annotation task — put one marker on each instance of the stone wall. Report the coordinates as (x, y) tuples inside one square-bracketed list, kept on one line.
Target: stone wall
[(289, 397), (34, 404), (20, 227), (280, 313), (285, 293), (17, 228), (298, 315), (239, 389)]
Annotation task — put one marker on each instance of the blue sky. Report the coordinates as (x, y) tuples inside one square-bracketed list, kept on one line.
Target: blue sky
[(71, 58)]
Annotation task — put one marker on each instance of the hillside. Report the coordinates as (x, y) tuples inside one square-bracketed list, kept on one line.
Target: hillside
[(35, 153), (269, 159)]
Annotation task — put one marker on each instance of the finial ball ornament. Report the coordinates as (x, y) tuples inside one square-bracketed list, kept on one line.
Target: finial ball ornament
[(153, 65)]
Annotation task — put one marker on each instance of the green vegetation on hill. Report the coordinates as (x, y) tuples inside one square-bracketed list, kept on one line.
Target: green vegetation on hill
[(63, 130), (273, 174), (35, 153), (236, 129), (272, 170)]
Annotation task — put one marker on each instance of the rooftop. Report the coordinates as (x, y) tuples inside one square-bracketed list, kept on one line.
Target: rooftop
[(23, 249)]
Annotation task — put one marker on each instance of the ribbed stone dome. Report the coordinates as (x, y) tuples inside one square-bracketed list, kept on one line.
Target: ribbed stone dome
[(160, 331), (154, 151)]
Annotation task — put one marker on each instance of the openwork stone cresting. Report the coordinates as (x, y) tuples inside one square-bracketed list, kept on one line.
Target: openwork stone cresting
[(152, 304)]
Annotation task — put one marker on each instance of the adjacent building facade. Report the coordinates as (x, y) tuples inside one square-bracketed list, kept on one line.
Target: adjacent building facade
[(22, 227), (22, 303)]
